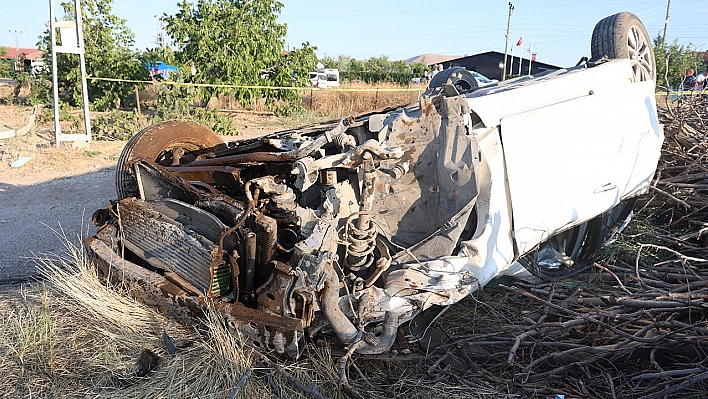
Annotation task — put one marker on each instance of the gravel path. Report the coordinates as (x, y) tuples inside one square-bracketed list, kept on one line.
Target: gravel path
[(58, 190), (28, 213)]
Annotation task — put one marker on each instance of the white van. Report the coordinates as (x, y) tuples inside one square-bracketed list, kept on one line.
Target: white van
[(325, 78), (332, 76), (318, 79)]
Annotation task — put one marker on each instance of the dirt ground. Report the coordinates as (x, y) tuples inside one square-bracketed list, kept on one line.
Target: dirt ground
[(51, 198)]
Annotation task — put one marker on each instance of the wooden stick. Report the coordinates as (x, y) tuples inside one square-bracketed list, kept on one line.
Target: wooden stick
[(311, 390), (240, 383), (576, 314), (273, 385), (137, 102), (681, 179), (685, 384), (672, 198)]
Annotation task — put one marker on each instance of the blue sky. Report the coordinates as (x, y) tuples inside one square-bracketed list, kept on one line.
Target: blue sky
[(559, 29)]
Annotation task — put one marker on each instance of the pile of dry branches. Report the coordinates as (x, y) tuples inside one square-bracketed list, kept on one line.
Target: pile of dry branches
[(636, 327), (682, 177)]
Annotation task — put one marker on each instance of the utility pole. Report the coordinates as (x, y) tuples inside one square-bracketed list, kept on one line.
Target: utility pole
[(666, 22), (72, 42), (160, 38), (506, 44), (17, 48)]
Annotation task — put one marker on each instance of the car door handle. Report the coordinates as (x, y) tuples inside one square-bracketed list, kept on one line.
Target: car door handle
[(605, 187)]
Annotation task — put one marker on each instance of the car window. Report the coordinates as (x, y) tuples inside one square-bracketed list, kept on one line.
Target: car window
[(481, 77)]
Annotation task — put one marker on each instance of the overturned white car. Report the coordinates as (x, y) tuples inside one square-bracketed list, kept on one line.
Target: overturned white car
[(351, 228)]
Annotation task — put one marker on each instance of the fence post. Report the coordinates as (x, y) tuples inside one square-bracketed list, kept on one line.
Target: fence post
[(376, 99), (137, 102), (310, 99)]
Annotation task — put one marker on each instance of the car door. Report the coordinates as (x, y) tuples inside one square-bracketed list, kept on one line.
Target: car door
[(570, 161)]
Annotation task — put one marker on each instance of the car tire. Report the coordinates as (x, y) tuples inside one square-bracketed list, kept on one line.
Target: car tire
[(573, 251), (155, 143), (622, 36), (459, 77)]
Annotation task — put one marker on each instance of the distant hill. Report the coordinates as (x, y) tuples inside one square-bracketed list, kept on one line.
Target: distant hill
[(431, 59)]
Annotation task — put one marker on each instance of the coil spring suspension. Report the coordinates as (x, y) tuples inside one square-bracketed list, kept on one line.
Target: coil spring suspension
[(362, 241), (362, 236)]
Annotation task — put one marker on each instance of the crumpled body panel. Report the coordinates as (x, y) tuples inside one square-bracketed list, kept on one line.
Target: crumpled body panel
[(350, 228)]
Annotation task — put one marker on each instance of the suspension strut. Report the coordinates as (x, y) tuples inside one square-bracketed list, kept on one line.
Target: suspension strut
[(361, 233)]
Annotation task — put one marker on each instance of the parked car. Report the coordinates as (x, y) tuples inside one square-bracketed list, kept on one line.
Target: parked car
[(318, 79), (325, 78), (348, 229)]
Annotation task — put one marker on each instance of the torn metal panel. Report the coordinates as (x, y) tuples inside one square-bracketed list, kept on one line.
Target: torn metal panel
[(215, 175), (155, 182), (449, 195)]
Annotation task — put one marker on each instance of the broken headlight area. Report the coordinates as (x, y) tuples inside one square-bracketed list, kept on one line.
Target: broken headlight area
[(338, 230)]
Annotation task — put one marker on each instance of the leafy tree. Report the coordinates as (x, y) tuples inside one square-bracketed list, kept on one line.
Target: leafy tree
[(399, 66), (380, 64), (419, 68), (108, 53), (296, 66), (7, 67), (164, 54), (38, 86), (375, 69), (377, 64), (239, 42), (330, 62), (679, 59), (344, 62), (356, 66)]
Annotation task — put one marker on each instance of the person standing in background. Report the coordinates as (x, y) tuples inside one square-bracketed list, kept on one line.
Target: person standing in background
[(435, 71), (701, 80), (689, 81)]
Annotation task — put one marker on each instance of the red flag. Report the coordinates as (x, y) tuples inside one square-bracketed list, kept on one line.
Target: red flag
[(521, 41)]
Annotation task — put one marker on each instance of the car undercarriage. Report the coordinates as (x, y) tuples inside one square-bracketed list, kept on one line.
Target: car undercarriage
[(348, 229)]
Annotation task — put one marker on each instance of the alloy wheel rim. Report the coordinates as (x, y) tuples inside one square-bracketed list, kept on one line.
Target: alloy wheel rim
[(640, 55)]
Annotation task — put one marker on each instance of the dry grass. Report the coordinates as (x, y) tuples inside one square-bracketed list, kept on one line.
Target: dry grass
[(7, 92), (335, 103), (72, 336), (332, 103)]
